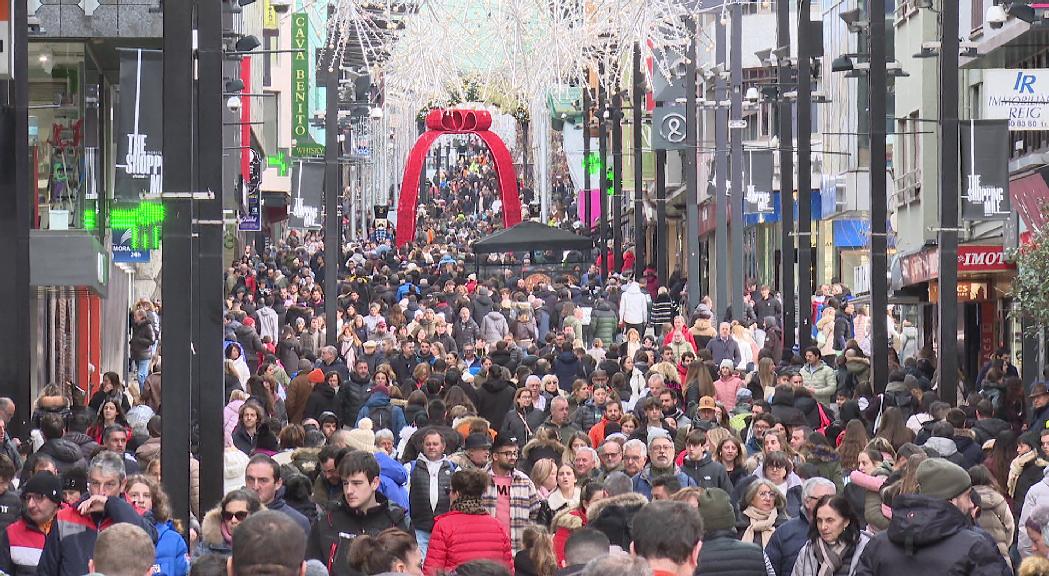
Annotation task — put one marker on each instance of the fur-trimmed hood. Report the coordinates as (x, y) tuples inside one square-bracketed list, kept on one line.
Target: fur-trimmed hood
[(568, 518), (630, 499), (211, 528), (537, 443), (820, 454)]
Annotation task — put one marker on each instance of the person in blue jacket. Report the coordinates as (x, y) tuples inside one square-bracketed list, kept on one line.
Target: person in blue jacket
[(382, 413), (148, 498)]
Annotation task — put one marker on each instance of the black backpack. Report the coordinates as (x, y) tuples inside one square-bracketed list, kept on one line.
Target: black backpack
[(381, 417)]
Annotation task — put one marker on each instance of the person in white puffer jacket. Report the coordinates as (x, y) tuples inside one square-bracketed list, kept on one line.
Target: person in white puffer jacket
[(633, 308)]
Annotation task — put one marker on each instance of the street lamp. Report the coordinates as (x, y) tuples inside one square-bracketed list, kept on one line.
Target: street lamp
[(247, 44)]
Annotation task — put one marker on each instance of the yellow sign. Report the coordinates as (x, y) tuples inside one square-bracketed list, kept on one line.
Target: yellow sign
[(269, 18)]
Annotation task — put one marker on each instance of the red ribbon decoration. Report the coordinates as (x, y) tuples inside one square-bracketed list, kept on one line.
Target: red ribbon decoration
[(439, 122)]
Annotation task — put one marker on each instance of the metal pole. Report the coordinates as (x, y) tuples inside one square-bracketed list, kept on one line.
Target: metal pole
[(660, 244), (332, 192), (721, 300), (786, 182), (691, 177), (588, 208), (208, 339), (949, 184), (15, 223), (602, 179), (617, 179), (736, 200), (177, 280), (879, 215), (639, 211), (804, 180)]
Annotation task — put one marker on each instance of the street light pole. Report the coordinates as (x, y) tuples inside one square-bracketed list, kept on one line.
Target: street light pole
[(588, 201), (879, 209), (332, 193), (721, 172), (736, 200), (602, 179), (691, 177), (786, 179), (617, 179), (949, 189), (804, 236), (177, 253), (639, 217)]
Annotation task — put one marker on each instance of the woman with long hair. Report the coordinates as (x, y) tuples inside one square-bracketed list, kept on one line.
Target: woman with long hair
[(763, 383), (906, 482), (537, 557), (523, 419), (854, 441), (111, 388), (893, 428), (566, 494), (995, 517), (348, 342), (631, 344), (729, 453), (392, 551), (835, 541), (245, 434), (567, 521), (544, 477), (698, 383), (258, 392), (1000, 458), (467, 532), (151, 501), (109, 414), (456, 396), (764, 510), (216, 530)]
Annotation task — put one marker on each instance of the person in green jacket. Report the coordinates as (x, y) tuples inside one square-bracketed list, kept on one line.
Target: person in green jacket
[(818, 377), (824, 459)]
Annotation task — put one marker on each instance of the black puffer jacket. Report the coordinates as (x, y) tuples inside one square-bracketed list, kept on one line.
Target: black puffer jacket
[(930, 536), (351, 397), (522, 425), (724, 555), (494, 400), (614, 516), (336, 527), (66, 454), (784, 411)]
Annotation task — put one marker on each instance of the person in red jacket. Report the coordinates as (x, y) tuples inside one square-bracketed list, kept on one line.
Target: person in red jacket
[(467, 532)]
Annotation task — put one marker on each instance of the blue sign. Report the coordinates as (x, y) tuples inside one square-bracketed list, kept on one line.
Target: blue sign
[(123, 253)]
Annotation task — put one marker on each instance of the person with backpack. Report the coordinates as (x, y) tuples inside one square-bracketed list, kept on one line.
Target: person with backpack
[(382, 413), (429, 485)]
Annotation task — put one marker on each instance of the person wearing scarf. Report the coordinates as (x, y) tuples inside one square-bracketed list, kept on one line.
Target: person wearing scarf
[(835, 541), (467, 532), (764, 513)]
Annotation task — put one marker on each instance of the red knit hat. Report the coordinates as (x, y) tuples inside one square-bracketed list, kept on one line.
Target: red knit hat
[(316, 376)]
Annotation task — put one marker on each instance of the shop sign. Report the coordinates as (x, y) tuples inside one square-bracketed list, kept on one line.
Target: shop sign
[(269, 16), (985, 170), (124, 252), (307, 186), (758, 197), (303, 144), (251, 209), (6, 41), (920, 267), (982, 259), (140, 138), (1020, 97)]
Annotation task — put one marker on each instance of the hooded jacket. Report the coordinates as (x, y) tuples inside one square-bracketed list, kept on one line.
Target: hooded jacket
[(822, 380), (724, 555), (706, 473), (494, 399), (613, 516), (930, 536), (633, 305), (172, 557), (66, 454), (71, 541), (946, 448), (380, 400), (494, 327), (330, 538), (603, 322), (321, 400), (996, 519), (567, 368)]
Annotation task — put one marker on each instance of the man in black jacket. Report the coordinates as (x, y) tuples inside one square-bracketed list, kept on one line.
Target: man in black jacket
[(723, 554), (361, 510), (670, 536), (355, 391), (767, 305), (934, 530)]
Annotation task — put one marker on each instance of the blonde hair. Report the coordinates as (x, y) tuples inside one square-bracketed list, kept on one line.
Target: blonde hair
[(542, 470)]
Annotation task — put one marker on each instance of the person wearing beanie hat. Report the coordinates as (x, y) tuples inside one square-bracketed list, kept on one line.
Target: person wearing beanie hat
[(934, 530), (42, 499), (723, 553), (74, 485)]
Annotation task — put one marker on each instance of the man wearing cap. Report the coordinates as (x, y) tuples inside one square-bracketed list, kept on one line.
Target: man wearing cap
[(511, 497), (475, 454), (723, 554), (932, 531), (22, 542), (1039, 396), (660, 463), (728, 384), (724, 347)]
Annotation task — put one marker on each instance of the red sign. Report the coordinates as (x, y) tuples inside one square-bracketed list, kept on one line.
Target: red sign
[(982, 259)]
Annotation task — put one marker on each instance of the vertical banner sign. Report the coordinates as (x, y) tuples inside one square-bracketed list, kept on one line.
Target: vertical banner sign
[(758, 174), (269, 16), (307, 186), (6, 41), (303, 145), (140, 159), (985, 169), (251, 210)]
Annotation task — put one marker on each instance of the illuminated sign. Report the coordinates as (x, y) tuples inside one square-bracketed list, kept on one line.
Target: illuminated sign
[(281, 161), (143, 221), (592, 164), (303, 144)]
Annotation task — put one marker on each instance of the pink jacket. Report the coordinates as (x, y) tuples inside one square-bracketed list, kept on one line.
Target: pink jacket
[(230, 417)]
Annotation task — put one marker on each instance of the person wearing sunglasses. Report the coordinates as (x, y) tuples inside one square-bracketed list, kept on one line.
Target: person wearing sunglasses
[(218, 525)]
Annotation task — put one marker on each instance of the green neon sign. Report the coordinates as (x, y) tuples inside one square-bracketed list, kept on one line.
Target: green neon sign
[(281, 161), (592, 165), (144, 221)]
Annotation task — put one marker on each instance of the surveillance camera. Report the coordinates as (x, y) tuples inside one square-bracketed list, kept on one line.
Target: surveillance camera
[(233, 103)]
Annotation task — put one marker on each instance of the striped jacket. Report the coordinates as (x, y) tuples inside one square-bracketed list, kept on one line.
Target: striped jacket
[(71, 541), (20, 546), (524, 504)]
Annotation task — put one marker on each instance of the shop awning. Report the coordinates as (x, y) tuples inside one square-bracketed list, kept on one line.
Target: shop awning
[(1029, 193)]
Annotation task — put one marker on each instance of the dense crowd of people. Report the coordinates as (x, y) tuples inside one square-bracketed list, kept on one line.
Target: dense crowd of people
[(565, 423)]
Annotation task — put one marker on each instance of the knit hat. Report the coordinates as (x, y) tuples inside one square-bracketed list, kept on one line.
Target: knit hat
[(715, 507), (75, 479), (381, 388), (726, 363), (360, 439), (45, 484), (942, 479), (316, 376), (233, 464)]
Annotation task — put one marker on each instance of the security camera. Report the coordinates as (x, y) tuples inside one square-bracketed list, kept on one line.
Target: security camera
[(996, 16), (233, 103)]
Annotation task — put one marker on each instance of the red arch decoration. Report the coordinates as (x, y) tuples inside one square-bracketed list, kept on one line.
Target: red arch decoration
[(439, 122)]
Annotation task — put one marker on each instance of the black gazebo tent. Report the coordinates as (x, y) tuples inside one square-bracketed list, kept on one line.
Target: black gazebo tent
[(529, 236)]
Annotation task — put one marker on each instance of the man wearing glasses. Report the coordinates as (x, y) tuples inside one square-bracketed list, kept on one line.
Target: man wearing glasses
[(22, 542), (611, 454), (511, 497), (661, 463), (71, 541)]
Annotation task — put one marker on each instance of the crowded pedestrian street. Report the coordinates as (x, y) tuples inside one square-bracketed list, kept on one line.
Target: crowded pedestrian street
[(524, 288)]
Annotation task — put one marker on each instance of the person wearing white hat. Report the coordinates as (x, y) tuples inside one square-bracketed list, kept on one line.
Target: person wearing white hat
[(728, 384)]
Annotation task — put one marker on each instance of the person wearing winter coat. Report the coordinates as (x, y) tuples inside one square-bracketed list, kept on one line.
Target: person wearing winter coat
[(933, 530), (782, 550), (995, 516), (604, 323), (1026, 469), (322, 399), (724, 347), (494, 327), (699, 466), (22, 541), (835, 543), (381, 412), (818, 377), (496, 396), (172, 554), (663, 309), (614, 516), (567, 367), (300, 389), (633, 308), (465, 330), (722, 553), (523, 419), (354, 392), (466, 532), (824, 460)]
